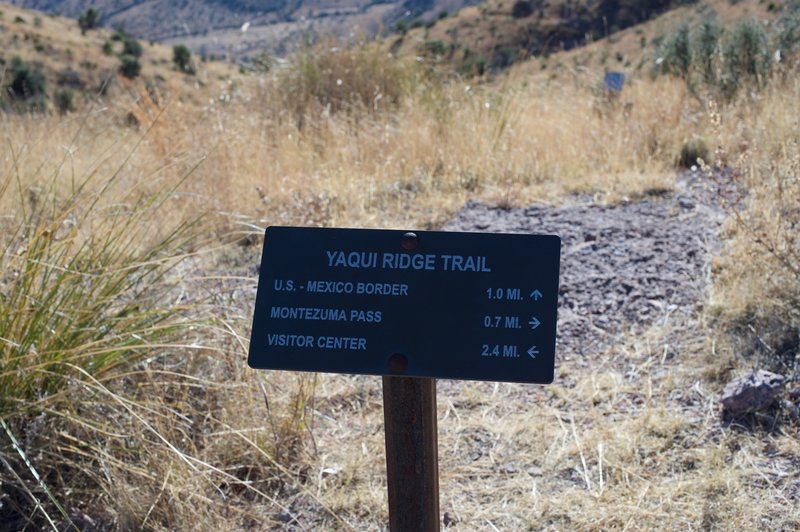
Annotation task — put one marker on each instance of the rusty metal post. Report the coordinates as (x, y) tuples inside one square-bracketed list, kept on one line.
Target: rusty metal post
[(412, 461)]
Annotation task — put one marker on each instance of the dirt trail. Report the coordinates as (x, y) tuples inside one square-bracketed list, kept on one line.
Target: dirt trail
[(622, 266)]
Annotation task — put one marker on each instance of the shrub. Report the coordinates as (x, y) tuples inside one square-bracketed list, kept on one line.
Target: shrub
[(746, 53), (435, 47), (676, 54), (129, 66), (706, 49), (88, 20), (522, 9), (108, 48), (788, 38), (342, 80), (64, 100), (26, 82), (182, 58), (132, 47)]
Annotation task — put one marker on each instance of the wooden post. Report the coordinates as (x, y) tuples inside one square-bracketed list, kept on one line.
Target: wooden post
[(412, 461)]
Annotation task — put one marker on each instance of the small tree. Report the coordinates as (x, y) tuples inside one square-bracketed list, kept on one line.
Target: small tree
[(130, 46), (129, 67), (89, 20), (182, 58)]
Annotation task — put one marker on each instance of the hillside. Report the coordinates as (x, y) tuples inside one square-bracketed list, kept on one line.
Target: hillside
[(496, 34), (50, 64), (215, 27)]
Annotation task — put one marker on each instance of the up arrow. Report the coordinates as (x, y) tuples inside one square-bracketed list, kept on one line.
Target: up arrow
[(533, 351), (534, 322), (536, 295)]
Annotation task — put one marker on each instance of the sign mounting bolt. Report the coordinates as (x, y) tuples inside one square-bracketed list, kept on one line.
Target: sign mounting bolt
[(409, 241), (398, 363)]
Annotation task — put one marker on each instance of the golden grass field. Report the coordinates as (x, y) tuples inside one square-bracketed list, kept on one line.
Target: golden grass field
[(124, 317)]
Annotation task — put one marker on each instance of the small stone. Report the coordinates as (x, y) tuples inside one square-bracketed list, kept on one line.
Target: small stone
[(284, 517), (509, 468), (448, 520), (752, 392), (535, 471)]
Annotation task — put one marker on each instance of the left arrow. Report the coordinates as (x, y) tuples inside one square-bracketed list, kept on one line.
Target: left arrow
[(533, 351)]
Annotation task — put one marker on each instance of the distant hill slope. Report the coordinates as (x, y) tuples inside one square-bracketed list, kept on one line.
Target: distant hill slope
[(47, 64), (214, 27), (493, 35)]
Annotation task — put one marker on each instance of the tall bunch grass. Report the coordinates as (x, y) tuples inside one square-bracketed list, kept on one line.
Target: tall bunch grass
[(84, 291), (81, 286)]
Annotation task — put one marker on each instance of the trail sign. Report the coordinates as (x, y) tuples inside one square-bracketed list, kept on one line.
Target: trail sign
[(444, 305)]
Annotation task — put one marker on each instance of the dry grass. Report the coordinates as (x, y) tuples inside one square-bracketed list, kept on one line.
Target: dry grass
[(187, 435)]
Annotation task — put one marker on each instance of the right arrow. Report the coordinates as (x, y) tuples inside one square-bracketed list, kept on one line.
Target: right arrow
[(536, 295), (534, 322), (533, 351)]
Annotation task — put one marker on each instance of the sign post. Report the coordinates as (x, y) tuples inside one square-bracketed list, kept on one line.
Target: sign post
[(413, 308), (412, 461)]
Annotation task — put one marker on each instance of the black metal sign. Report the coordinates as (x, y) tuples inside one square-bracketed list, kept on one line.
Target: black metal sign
[(444, 305)]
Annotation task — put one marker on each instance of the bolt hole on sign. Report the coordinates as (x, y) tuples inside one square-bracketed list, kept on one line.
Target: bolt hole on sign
[(444, 305)]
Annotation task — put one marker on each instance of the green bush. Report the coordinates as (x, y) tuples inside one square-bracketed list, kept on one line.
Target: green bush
[(435, 47), (132, 47), (129, 66), (706, 49), (676, 54), (746, 55), (182, 58), (64, 100), (721, 62), (26, 82), (89, 20), (788, 38)]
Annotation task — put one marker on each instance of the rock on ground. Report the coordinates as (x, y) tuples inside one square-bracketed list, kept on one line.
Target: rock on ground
[(757, 390)]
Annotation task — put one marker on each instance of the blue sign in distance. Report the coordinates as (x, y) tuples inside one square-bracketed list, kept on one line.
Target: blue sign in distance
[(444, 305)]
